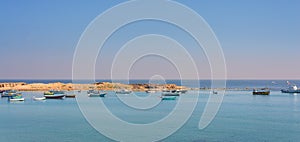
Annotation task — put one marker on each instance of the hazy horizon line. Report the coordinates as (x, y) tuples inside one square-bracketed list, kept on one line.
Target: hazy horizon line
[(149, 79)]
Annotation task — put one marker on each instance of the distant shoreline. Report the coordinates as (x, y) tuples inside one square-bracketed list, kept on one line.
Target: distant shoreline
[(23, 86)]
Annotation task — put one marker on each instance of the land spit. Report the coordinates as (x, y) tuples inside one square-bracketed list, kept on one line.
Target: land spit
[(22, 86)]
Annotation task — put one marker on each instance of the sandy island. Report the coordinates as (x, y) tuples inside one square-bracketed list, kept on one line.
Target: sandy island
[(22, 86)]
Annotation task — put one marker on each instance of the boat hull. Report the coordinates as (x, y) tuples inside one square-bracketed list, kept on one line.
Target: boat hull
[(39, 99), (54, 96), (170, 94), (290, 91), (70, 96), (168, 98), (261, 93), (16, 100)]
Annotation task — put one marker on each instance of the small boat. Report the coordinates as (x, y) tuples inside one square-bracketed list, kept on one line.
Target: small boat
[(150, 91), (97, 94), (54, 94), (291, 89), (170, 94), (181, 91), (123, 91), (16, 98), (168, 97), (9, 93), (70, 96), (215, 92), (39, 98), (263, 91)]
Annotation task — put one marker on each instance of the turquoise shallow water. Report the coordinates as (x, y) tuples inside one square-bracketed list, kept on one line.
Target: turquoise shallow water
[(242, 117)]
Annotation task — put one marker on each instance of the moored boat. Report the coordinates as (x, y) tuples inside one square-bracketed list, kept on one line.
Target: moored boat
[(168, 97), (181, 91), (70, 96), (263, 91), (170, 94), (97, 94), (17, 97), (291, 89), (39, 98), (150, 91), (54, 94), (8, 93)]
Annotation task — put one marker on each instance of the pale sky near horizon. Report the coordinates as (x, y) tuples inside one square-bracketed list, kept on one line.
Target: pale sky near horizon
[(260, 38)]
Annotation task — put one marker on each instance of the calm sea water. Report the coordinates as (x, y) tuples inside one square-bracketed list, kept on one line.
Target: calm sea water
[(242, 117)]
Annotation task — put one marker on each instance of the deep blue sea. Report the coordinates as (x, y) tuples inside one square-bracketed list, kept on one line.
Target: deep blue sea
[(241, 117)]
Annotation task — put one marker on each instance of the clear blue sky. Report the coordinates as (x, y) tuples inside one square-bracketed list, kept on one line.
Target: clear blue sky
[(260, 38)]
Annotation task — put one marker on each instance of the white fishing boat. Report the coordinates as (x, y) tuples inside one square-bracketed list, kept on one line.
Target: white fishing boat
[(16, 99), (55, 96), (291, 89), (150, 91), (39, 98)]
